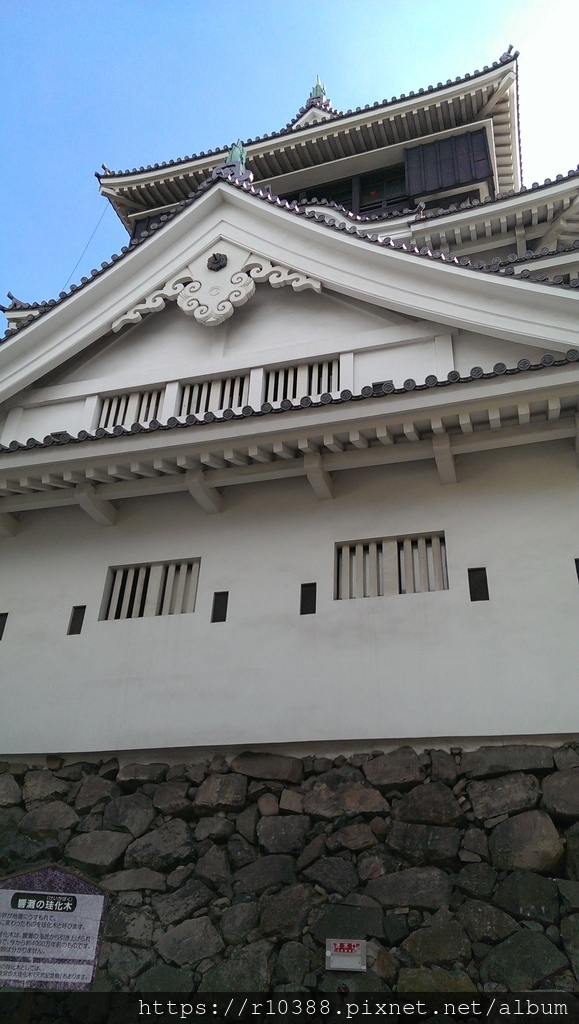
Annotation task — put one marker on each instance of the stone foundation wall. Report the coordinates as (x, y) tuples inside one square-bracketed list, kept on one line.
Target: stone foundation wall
[(460, 869)]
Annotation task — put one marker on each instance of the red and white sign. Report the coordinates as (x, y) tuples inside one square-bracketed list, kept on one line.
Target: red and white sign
[(345, 954)]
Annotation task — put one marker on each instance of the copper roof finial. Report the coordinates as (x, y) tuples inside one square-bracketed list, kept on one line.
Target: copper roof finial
[(319, 90)]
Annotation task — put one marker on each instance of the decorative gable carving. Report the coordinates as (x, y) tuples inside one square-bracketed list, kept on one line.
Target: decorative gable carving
[(210, 287)]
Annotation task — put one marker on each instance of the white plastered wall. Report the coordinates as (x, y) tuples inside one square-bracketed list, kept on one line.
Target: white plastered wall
[(421, 665)]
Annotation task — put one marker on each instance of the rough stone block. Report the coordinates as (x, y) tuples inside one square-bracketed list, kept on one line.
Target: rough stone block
[(10, 791), (214, 866), (567, 757), (246, 822), (528, 896), (134, 813), (171, 798), (434, 979), (429, 805), (352, 837), (485, 923), (443, 767), (285, 913), (131, 776), (570, 937), (97, 851), (132, 927), (424, 844), (94, 790), (443, 942), (341, 791), (240, 852), (354, 922), (522, 961), (505, 795), (273, 870), (184, 902), (502, 759), (376, 862), (475, 840), (221, 793), (293, 963), (334, 874), (477, 880), (428, 888), (42, 785), (164, 978), (238, 921), (529, 841), (48, 820), (399, 769), (268, 804), (136, 878), (291, 801), (269, 766), (283, 834), (190, 942), (246, 970), (162, 849), (561, 794)]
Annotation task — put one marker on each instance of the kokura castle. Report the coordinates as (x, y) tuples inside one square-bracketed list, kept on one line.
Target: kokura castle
[(297, 468)]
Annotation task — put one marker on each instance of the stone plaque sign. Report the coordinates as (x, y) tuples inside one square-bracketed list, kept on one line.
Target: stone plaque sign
[(345, 954), (50, 922)]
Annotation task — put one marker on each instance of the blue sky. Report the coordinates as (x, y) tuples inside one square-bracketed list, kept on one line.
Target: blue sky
[(132, 82)]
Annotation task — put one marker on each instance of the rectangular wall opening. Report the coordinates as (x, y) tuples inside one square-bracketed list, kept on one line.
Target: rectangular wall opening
[(219, 610), (3, 621), (577, 568), (390, 565), (156, 588), (478, 584), (308, 599), (76, 620)]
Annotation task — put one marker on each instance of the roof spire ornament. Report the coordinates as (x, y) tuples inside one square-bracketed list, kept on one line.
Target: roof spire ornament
[(233, 167), (319, 90), (318, 97), (237, 154)]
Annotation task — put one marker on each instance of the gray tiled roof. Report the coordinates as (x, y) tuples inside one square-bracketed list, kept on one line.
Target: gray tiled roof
[(503, 267)]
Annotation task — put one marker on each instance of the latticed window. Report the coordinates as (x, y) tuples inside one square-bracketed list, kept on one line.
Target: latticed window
[(134, 407), (214, 395), (307, 379), (158, 588), (378, 568)]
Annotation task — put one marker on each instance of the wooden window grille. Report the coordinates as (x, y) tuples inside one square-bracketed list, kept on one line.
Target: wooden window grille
[(307, 379), (133, 407), (214, 395), (158, 588), (380, 568)]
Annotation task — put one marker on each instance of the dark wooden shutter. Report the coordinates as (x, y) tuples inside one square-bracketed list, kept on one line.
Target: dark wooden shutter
[(440, 165)]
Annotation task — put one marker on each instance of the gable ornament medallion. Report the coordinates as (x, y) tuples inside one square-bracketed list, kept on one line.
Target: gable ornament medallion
[(209, 299)]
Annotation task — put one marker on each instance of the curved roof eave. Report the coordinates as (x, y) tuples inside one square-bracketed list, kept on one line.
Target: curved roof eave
[(502, 268), (122, 187)]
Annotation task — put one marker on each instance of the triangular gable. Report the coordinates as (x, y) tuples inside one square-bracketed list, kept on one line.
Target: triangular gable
[(266, 243), (276, 326)]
